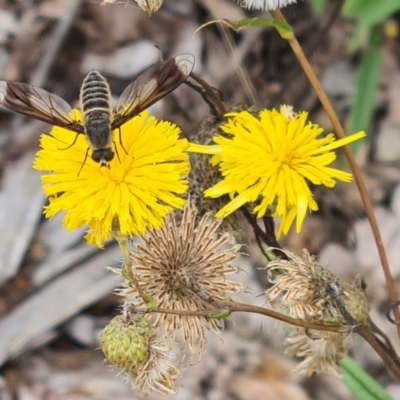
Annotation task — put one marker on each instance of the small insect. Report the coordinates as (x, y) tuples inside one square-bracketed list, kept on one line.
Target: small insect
[(99, 119)]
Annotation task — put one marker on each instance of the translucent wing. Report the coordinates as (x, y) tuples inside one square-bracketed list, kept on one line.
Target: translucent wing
[(151, 86), (37, 103)]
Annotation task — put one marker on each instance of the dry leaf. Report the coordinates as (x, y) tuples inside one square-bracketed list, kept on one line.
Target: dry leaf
[(150, 6)]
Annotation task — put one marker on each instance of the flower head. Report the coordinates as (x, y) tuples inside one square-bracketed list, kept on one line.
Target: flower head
[(140, 187), (269, 160), (141, 353), (184, 267), (265, 4), (305, 290)]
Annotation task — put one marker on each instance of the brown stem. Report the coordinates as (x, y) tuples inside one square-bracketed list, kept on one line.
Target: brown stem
[(267, 237), (387, 356), (231, 307), (388, 359), (353, 165), (212, 94)]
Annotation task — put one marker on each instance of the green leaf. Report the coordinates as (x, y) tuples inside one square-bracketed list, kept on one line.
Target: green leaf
[(361, 385), (368, 13), (284, 29), (367, 81), (317, 6)]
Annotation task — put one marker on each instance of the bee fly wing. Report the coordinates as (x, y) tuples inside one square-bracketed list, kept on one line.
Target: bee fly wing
[(39, 104), (151, 86)]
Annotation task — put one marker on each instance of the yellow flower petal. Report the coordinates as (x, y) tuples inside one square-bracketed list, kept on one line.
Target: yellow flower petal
[(270, 159), (203, 149), (142, 185)]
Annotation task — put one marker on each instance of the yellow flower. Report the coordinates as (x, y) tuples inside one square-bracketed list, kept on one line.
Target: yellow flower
[(140, 187), (269, 160)]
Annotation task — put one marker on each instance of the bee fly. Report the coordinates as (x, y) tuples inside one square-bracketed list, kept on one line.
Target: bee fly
[(99, 120)]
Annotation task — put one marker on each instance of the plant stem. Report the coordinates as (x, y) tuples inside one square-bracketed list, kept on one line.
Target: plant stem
[(353, 165)]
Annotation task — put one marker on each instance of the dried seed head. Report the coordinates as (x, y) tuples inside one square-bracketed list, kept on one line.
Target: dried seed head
[(159, 373), (321, 350), (305, 290), (184, 267)]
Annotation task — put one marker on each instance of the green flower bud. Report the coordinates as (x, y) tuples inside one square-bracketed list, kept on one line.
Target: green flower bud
[(125, 344)]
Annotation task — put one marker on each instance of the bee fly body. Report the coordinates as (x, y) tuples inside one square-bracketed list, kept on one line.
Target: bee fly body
[(95, 98), (100, 120)]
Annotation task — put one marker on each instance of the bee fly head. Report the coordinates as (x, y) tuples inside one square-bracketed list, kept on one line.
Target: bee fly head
[(102, 156)]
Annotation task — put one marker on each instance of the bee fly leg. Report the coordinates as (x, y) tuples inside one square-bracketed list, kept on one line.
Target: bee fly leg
[(116, 151), (84, 160), (120, 142), (76, 138)]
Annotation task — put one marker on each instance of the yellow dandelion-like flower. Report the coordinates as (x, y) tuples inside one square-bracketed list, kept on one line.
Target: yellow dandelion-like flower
[(184, 267), (140, 187), (269, 160)]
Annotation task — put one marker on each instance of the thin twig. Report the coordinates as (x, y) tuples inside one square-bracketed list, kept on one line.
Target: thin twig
[(231, 307), (267, 237), (224, 309), (127, 269), (237, 60), (350, 158), (381, 350)]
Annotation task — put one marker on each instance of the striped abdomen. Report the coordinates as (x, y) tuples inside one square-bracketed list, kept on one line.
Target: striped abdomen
[(95, 99), (95, 96)]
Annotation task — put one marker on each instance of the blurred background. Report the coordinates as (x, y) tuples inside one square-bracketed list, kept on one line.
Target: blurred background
[(55, 293)]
